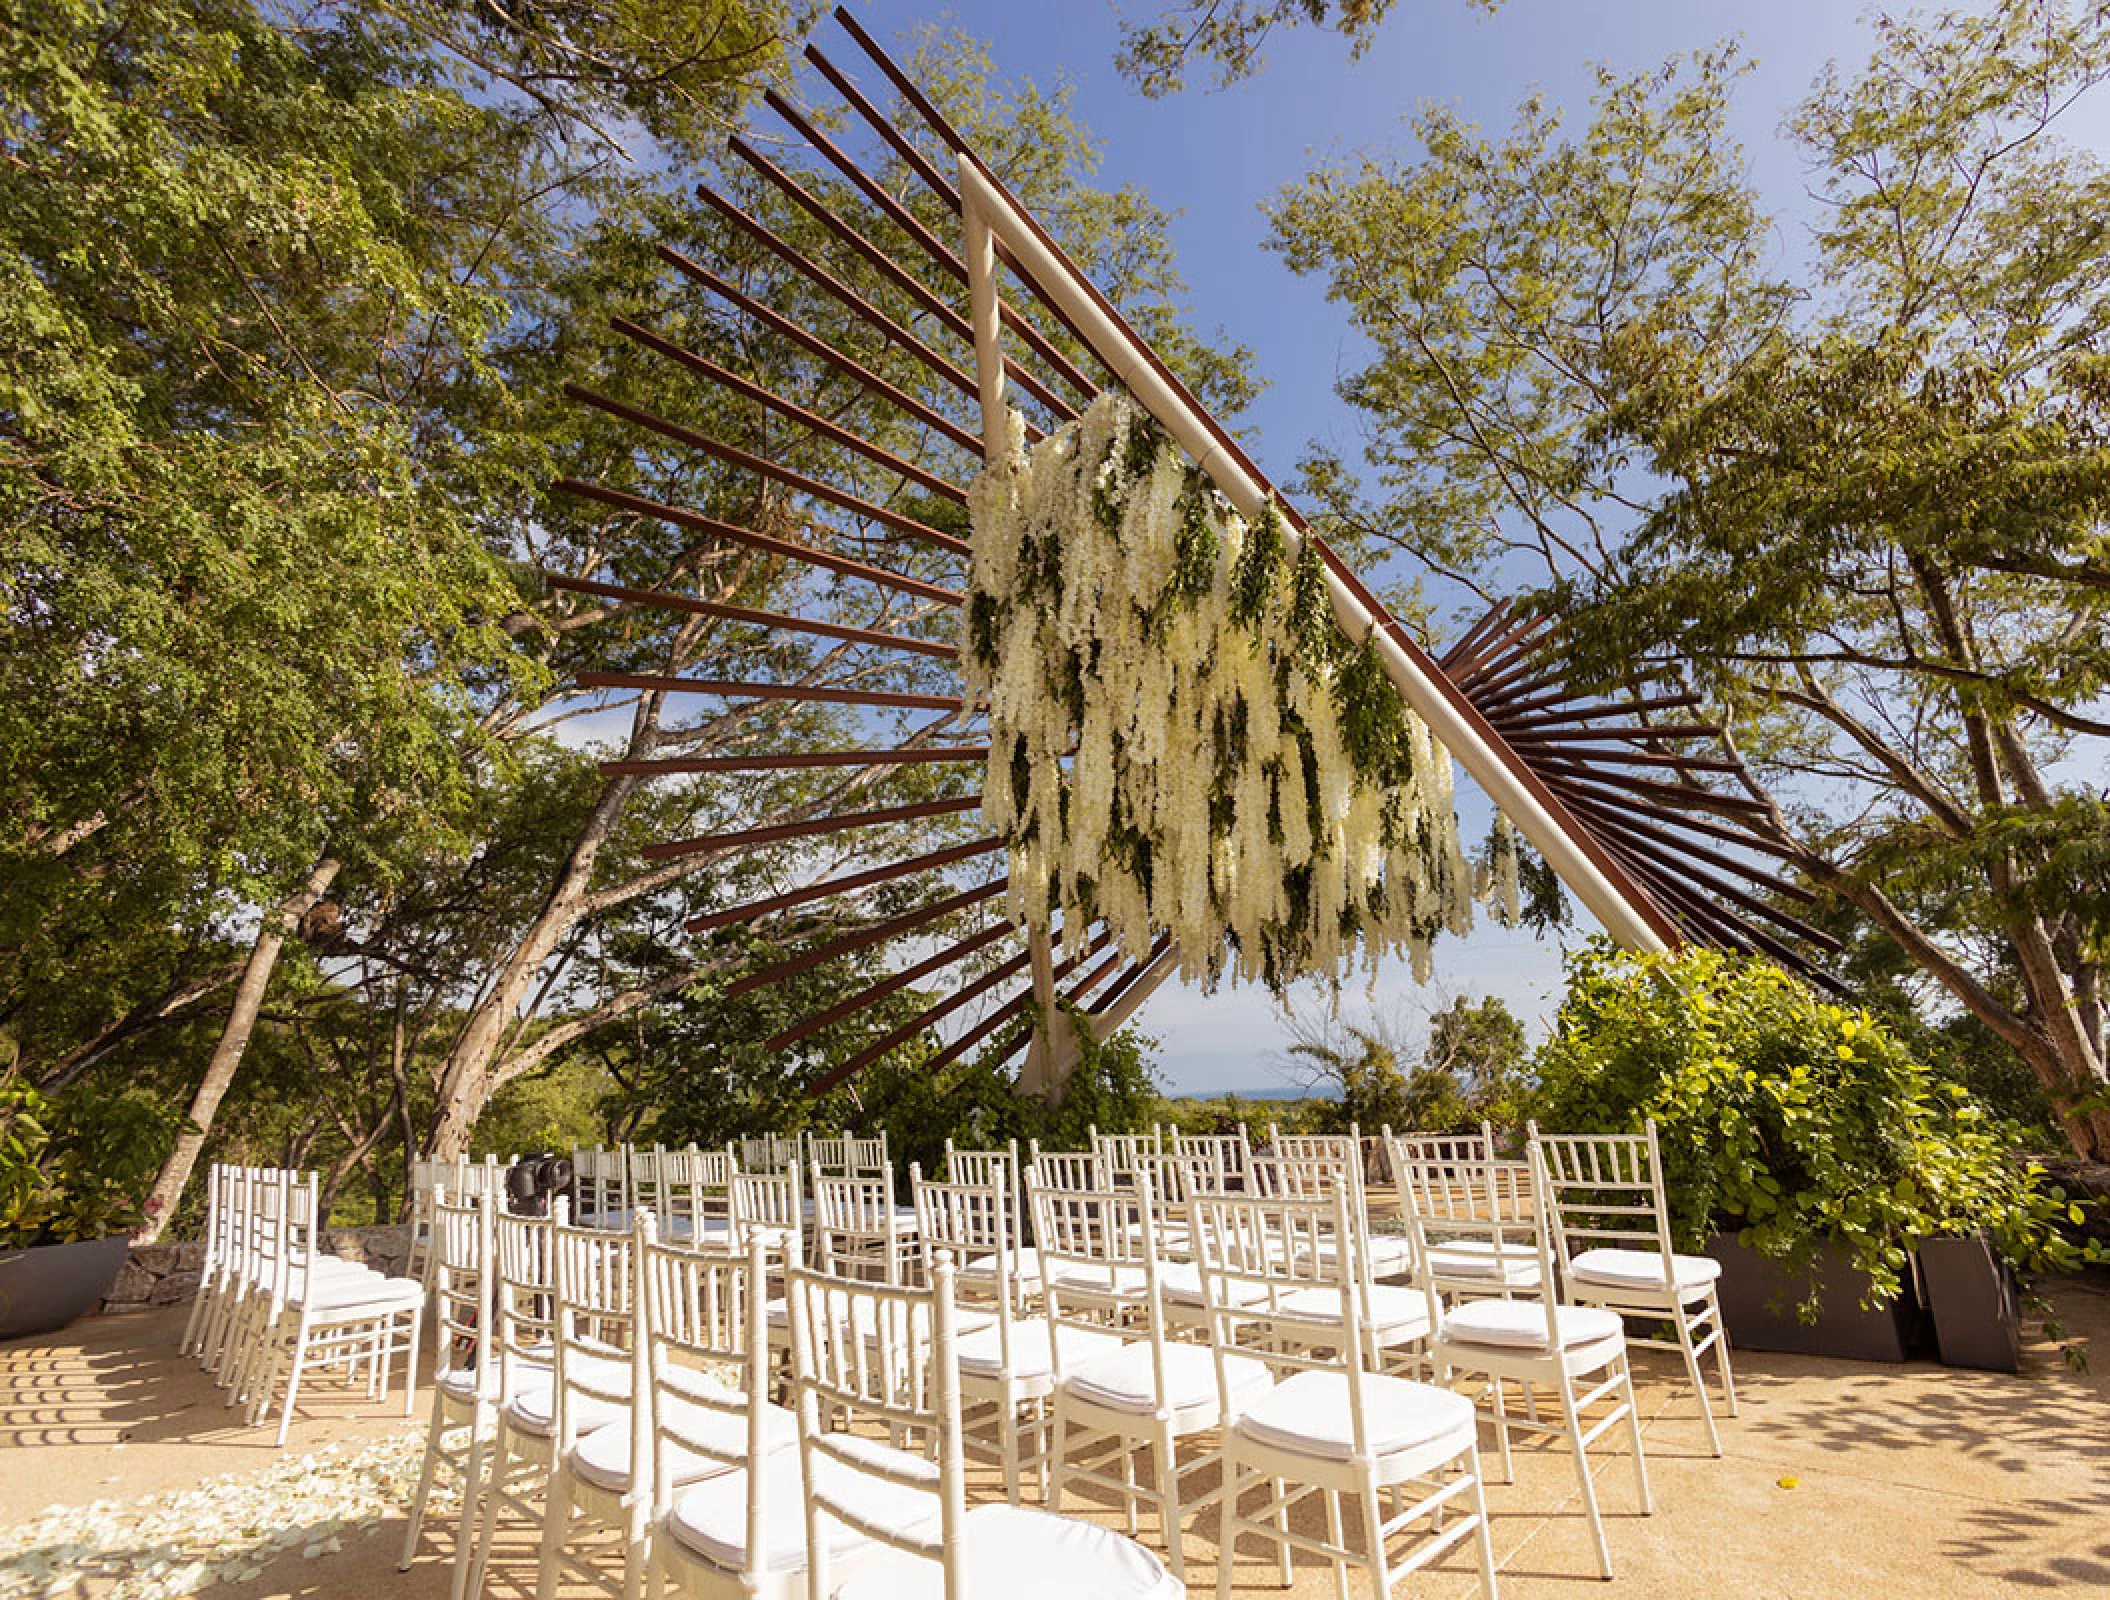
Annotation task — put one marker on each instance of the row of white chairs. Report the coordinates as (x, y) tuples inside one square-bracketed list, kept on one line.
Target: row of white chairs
[(273, 1305), (1098, 1316), (612, 1387)]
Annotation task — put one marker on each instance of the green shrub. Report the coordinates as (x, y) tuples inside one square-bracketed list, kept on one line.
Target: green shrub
[(1783, 1117), (78, 1165)]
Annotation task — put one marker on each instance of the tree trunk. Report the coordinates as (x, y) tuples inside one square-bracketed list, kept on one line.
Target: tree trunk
[(234, 1042), (468, 1077)]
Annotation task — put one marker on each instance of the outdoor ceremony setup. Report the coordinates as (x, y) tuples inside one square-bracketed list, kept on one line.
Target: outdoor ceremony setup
[(655, 1104), (748, 1370)]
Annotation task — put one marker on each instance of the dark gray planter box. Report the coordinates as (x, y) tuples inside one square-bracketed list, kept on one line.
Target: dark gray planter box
[(1760, 1297), (45, 1287), (1977, 1311)]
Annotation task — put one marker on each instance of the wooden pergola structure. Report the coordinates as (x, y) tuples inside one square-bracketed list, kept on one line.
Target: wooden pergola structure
[(1614, 793)]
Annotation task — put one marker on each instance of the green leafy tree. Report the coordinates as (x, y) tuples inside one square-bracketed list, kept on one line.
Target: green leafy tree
[(1860, 509), (1231, 36)]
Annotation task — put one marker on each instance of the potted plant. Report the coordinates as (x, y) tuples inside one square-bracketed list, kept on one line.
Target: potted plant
[(75, 1171), (1804, 1147)]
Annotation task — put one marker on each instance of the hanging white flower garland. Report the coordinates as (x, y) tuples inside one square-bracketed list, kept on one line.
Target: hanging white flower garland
[(1180, 739)]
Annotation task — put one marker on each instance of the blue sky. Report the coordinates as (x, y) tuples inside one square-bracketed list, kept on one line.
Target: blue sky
[(1216, 156)]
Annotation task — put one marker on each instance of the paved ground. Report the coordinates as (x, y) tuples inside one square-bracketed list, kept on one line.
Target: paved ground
[(1839, 1481)]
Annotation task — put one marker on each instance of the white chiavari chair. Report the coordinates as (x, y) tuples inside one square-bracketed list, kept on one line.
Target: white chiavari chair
[(924, 1541), (601, 1187), (1537, 1344), (710, 1421), (858, 1230), (212, 1271), (593, 1430), (1394, 1317), (524, 1323), (1492, 1251), (768, 1153), (1229, 1152), (867, 1157), (1080, 1170), (1122, 1155), (698, 1195), (1100, 1265), (465, 1372), (768, 1206), (1007, 1365), (1279, 1274), (985, 1169), (1611, 1230), (320, 1314)]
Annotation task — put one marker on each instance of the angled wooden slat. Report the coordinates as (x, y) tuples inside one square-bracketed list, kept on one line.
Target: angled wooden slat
[(966, 995), (907, 282), (792, 761), (951, 955), (1515, 718), (877, 319), (800, 482), (1677, 864), (864, 938), (1632, 823), (769, 544), (667, 600), (1678, 795), (818, 694), (1689, 823), (938, 1013), (814, 345), (810, 828), (812, 421), (847, 885), (909, 223)]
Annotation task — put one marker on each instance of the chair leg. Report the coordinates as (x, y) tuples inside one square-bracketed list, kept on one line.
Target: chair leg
[(1335, 1538), (1486, 1541), (426, 1473), (468, 1521), (556, 1523), (1573, 1423), (1721, 1351), (494, 1491), (1280, 1489), (1227, 1526), (1509, 1472), (1374, 1525), (1633, 1427), (1171, 1521), (1699, 1383), (300, 1351), (1059, 1452)]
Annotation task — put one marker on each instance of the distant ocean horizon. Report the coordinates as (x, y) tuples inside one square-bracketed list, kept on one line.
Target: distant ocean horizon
[(1284, 1092)]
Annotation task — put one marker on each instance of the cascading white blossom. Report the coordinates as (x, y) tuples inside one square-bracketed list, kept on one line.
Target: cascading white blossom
[(1180, 741)]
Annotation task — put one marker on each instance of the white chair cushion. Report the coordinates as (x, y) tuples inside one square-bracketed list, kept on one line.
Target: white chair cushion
[(1124, 1380), (1025, 1269), (603, 1456), (1181, 1283), (1020, 1553), (715, 1230), (1399, 1314), (1521, 1324), (381, 1296), (1516, 1265), (982, 1355), (711, 1518), (1309, 1412), (1641, 1269), (520, 1372), (1391, 1254), (1086, 1278), (533, 1405), (966, 1319)]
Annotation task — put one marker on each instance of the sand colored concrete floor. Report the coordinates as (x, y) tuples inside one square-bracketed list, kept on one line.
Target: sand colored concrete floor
[(1906, 1481)]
